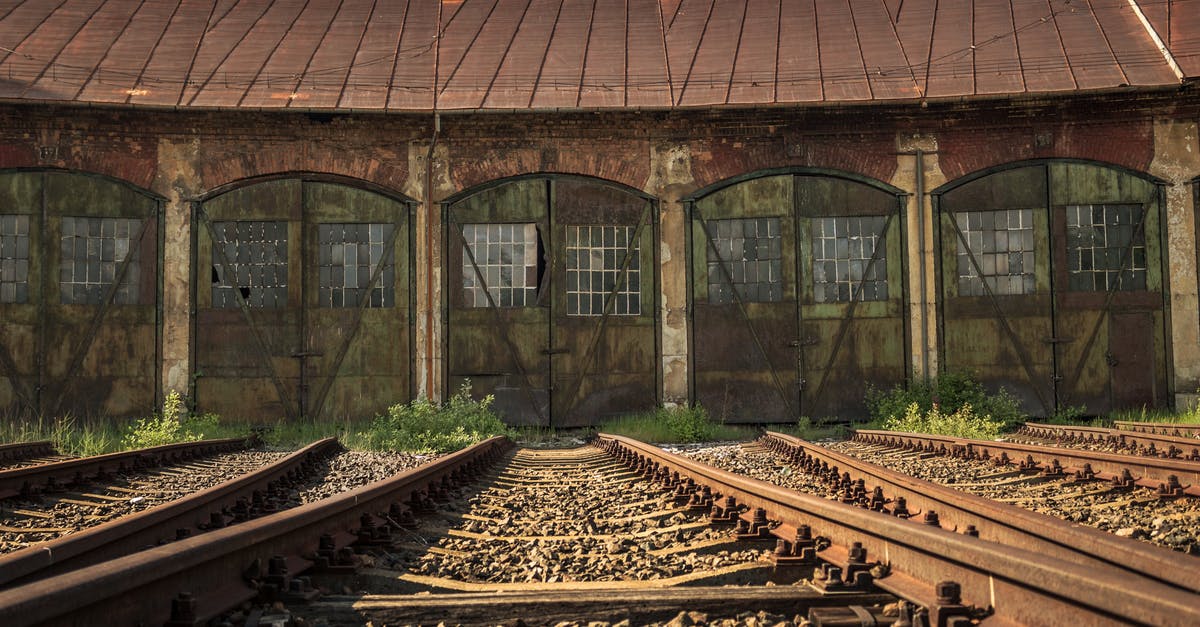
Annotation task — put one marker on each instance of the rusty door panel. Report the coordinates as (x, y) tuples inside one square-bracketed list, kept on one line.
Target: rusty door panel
[(746, 357), (85, 360), (1133, 359), (481, 340)]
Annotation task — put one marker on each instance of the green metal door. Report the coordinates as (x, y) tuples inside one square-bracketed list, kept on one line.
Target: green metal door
[(303, 301), (551, 309), (78, 293)]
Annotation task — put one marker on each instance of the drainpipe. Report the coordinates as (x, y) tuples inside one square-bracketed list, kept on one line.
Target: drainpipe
[(923, 299), (429, 306)]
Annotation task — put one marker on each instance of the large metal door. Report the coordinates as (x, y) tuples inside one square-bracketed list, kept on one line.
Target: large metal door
[(78, 293), (797, 297), (306, 310), (1051, 286), (550, 287)]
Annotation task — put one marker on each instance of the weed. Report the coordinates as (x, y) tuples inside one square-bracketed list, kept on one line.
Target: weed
[(951, 392), (675, 424), (425, 426), (166, 427), (962, 422)]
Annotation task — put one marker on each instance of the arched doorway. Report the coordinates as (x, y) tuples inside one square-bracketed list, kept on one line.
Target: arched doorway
[(552, 294), (303, 300), (797, 289)]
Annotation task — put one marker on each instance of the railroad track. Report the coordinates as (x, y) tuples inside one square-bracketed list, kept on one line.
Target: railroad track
[(1113, 440), (456, 527), (1165, 428), (22, 454)]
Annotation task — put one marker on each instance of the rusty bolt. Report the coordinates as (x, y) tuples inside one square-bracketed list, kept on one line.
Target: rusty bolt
[(183, 608), (971, 531), (931, 519), (858, 554), (948, 593), (803, 533)]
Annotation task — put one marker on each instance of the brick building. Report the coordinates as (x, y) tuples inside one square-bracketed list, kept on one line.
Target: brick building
[(322, 208)]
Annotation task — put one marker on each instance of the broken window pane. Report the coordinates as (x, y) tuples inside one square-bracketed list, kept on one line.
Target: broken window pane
[(595, 258), (500, 260), (1105, 248), (349, 256), (1001, 243), (93, 250), (746, 261), (14, 258), (249, 260), (849, 259)]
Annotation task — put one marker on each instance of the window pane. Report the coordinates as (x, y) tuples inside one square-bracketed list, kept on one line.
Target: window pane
[(256, 253), (849, 259), (1103, 252), (348, 258), (92, 251), (14, 258), (595, 258), (746, 262), (500, 261), (1000, 255)]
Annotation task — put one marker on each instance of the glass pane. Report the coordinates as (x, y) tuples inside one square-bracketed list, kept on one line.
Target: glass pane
[(746, 251), (597, 258), (250, 262)]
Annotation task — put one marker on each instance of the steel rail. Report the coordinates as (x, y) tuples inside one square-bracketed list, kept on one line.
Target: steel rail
[(1153, 444), (930, 503), (18, 481), (195, 579), (242, 497), (1183, 430), (1013, 584), (1171, 477), (21, 451)]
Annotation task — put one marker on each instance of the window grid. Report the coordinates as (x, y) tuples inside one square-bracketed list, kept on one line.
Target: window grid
[(349, 254), (92, 251), (751, 251), (595, 255), (14, 258), (258, 264), (842, 252), (1099, 237), (506, 255), (1003, 245)]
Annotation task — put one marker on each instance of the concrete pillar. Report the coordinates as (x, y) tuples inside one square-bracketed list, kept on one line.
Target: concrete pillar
[(179, 182), (921, 248), (1177, 160), (427, 361), (670, 180)]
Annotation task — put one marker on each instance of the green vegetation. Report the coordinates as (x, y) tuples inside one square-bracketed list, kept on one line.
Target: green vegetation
[(807, 429), (69, 435), (169, 426), (677, 424), (961, 423), (425, 426), (951, 393)]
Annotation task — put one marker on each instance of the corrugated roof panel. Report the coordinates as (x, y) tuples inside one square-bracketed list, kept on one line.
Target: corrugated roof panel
[(371, 71), (914, 23), (247, 63), (77, 62), (997, 60), (754, 72), (950, 68), (710, 74), (1092, 61), (323, 82), (1184, 40), (218, 42), (889, 72), (668, 9), (649, 83), (462, 27), (476, 73), (1043, 62), (604, 66), (798, 77), (1139, 58), (162, 77), (842, 70), (519, 70), (558, 84), (291, 58), (38, 36), (412, 81), (122, 63), (683, 41)]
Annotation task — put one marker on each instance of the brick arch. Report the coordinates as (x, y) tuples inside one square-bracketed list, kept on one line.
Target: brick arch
[(89, 173), (322, 177), (626, 164), (133, 160), (223, 166), (870, 155)]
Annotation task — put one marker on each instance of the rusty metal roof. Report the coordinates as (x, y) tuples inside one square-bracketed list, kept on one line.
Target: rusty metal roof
[(522, 54)]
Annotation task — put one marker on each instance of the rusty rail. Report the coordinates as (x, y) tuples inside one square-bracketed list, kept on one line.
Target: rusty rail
[(29, 479), (1166, 428), (953, 575), (195, 579), (1152, 444), (244, 497), (881, 489), (21, 451), (1171, 477)]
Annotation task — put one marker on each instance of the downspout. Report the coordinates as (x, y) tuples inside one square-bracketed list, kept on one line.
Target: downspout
[(429, 305), (924, 298)]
